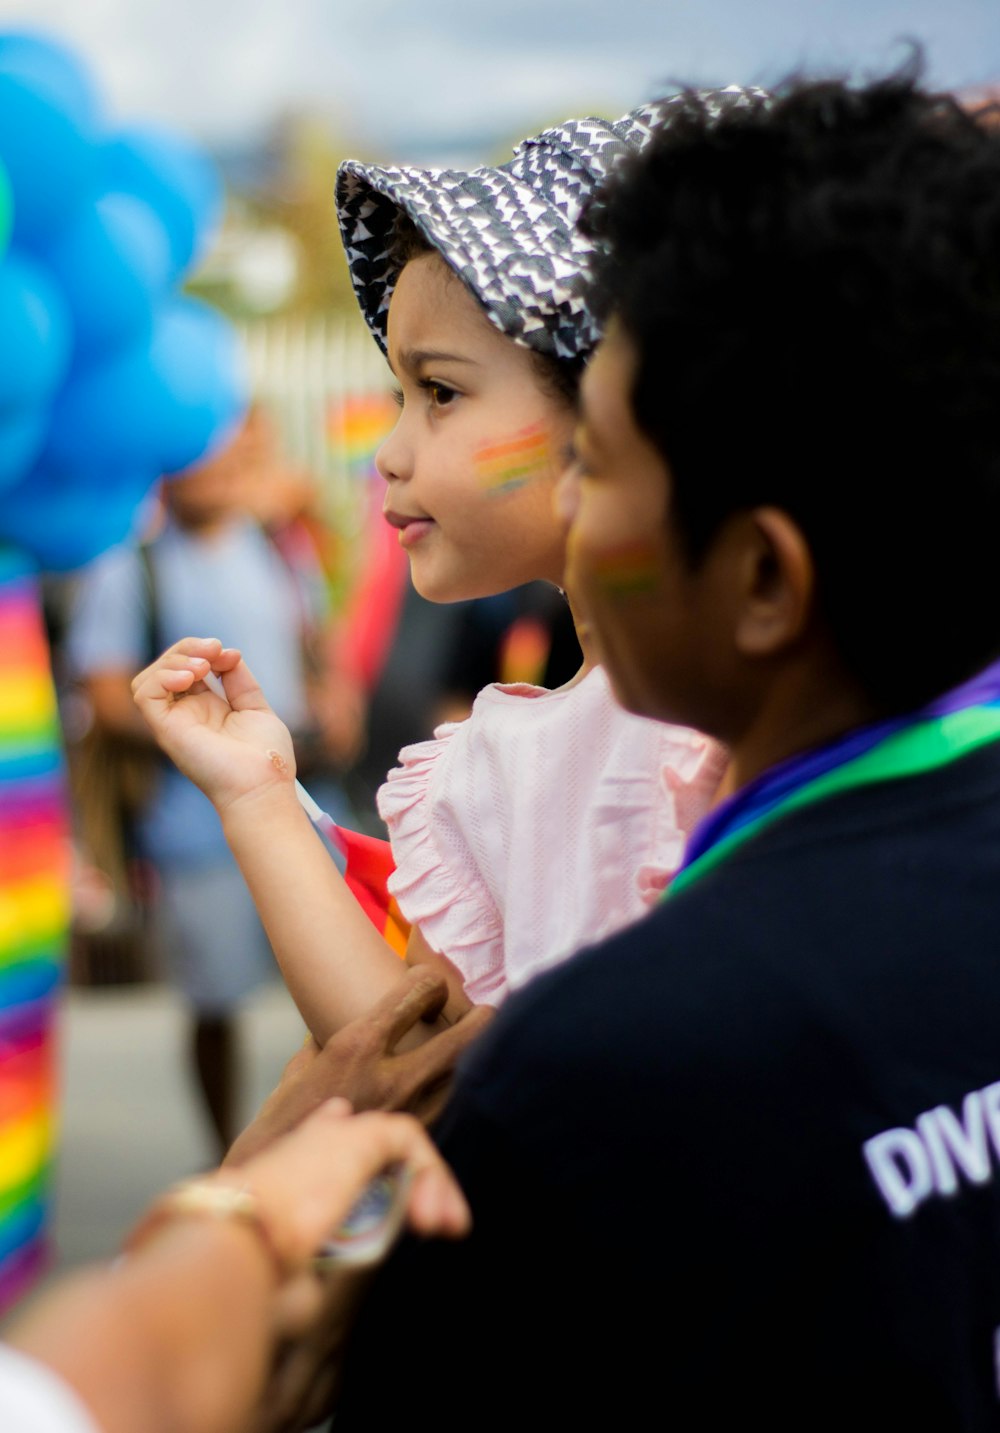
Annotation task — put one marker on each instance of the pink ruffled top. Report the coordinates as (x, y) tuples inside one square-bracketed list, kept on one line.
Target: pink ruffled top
[(542, 823)]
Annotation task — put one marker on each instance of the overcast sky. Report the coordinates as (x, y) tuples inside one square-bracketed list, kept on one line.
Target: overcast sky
[(404, 79)]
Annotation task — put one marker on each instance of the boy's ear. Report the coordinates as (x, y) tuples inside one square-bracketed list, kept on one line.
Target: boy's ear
[(778, 583)]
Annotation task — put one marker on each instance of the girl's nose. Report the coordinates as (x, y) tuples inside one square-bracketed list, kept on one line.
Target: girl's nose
[(392, 460)]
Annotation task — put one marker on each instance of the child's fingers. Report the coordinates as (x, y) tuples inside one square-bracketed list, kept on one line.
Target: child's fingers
[(177, 656), (181, 680), (227, 659), (172, 675), (242, 690)]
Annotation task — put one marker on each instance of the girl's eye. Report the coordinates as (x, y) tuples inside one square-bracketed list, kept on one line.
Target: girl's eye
[(440, 394), (397, 396)]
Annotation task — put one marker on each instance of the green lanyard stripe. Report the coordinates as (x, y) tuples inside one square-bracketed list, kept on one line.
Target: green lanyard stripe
[(915, 750)]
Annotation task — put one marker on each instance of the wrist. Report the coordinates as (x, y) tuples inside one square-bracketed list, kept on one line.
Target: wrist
[(227, 1205), (271, 801)]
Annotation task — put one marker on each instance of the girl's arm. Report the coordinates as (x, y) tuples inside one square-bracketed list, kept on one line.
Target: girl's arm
[(239, 753)]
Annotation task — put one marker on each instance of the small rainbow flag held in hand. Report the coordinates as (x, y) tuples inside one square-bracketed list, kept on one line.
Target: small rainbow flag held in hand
[(369, 866), (34, 912)]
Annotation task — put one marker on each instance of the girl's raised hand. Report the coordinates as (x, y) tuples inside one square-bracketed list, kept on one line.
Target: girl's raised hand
[(229, 746)]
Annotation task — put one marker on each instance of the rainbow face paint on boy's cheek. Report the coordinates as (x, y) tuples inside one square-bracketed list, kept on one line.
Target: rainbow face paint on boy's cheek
[(510, 463), (632, 570)]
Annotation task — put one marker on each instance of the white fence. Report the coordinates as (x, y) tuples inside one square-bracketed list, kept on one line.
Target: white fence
[(305, 372)]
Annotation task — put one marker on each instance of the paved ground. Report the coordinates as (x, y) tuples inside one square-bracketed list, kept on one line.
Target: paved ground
[(130, 1124)]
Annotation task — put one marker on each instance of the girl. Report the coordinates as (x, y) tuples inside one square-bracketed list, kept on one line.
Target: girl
[(547, 819)]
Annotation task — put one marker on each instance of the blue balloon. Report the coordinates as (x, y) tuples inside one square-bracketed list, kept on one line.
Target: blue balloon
[(49, 127), (54, 70), (66, 517), (107, 379), (200, 363), (103, 412), (22, 436), (35, 334), (174, 179), (157, 406), (113, 261)]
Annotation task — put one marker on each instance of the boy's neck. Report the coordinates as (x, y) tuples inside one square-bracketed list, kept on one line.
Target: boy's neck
[(810, 705)]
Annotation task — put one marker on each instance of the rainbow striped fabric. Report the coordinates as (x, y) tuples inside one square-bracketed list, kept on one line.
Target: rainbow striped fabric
[(34, 911)]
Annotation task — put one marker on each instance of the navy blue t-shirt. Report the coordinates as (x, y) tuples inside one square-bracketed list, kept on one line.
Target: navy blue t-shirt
[(739, 1161)]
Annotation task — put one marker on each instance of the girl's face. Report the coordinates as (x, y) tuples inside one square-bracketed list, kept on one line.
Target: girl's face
[(473, 461)]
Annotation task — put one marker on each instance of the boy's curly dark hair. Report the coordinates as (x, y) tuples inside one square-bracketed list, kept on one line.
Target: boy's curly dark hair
[(813, 289)]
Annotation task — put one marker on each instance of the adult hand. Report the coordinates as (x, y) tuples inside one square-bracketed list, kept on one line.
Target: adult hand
[(306, 1182), (195, 1328), (361, 1063), (315, 1317), (229, 746), (420, 956)]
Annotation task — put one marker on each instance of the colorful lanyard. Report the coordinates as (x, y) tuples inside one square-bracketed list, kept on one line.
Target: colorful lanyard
[(959, 722)]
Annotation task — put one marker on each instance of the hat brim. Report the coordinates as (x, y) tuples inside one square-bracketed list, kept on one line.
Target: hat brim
[(510, 233)]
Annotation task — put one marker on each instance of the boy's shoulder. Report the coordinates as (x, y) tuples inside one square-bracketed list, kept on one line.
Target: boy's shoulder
[(677, 1121), (863, 924)]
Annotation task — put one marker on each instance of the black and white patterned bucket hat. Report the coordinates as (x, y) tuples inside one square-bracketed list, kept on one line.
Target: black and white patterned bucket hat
[(511, 232)]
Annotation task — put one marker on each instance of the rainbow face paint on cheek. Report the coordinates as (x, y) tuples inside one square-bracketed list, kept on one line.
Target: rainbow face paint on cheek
[(632, 570), (503, 466)]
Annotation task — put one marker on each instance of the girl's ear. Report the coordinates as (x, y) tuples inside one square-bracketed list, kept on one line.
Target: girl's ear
[(778, 584)]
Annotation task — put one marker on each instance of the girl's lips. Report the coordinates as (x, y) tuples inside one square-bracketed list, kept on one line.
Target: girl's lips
[(414, 530)]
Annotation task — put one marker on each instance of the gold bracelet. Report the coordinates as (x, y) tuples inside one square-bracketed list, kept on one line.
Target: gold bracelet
[(205, 1198)]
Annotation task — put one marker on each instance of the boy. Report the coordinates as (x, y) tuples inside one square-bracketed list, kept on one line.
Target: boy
[(741, 1160)]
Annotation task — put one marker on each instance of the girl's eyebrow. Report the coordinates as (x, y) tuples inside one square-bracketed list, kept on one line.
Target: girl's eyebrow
[(413, 358)]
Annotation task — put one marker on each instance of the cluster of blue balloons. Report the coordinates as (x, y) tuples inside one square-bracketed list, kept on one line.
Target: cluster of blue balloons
[(109, 377)]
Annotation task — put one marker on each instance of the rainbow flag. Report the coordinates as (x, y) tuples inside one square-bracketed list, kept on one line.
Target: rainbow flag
[(369, 866), (378, 568), (357, 424), (371, 616), (34, 915)]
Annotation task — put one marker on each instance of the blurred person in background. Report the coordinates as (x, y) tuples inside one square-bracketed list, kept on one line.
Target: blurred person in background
[(215, 566)]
